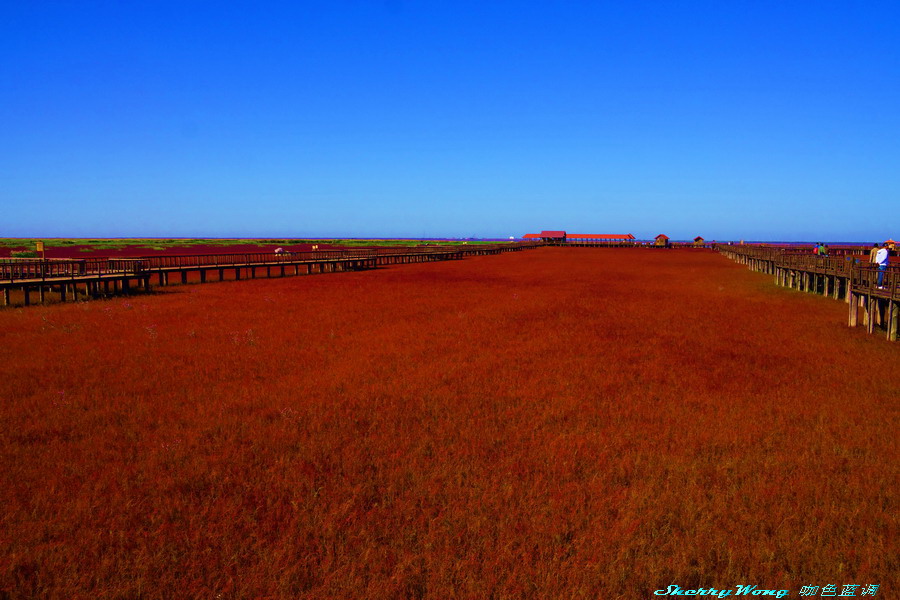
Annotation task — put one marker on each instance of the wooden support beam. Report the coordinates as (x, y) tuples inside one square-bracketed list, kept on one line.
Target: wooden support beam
[(853, 306), (62, 293), (202, 275), (27, 295), (6, 296), (42, 293), (893, 320), (184, 277), (871, 314)]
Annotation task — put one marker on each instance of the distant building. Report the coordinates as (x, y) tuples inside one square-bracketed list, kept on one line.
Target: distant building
[(553, 236), (661, 240), (558, 237), (699, 241), (599, 237)]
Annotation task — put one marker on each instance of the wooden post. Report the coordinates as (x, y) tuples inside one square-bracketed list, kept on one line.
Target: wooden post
[(854, 306), (184, 277), (202, 275), (62, 293), (6, 296), (41, 293), (221, 274), (237, 273), (893, 320), (27, 295), (871, 314)]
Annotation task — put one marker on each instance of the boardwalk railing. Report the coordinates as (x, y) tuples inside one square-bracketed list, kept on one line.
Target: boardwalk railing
[(64, 268)]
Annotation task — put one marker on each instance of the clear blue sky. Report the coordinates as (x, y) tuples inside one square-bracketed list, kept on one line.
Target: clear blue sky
[(727, 119)]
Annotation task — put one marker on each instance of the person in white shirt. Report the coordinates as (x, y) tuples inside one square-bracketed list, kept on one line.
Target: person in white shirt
[(881, 259)]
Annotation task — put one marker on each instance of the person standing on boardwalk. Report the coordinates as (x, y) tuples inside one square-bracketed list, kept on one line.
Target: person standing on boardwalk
[(823, 250), (872, 253), (881, 259)]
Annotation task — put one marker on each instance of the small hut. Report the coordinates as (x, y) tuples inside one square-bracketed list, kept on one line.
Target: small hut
[(661, 240), (699, 241)]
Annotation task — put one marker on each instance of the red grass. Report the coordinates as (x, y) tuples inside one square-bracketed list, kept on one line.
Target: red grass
[(559, 423)]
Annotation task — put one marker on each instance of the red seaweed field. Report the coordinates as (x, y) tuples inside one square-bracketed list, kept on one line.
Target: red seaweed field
[(555, 423)]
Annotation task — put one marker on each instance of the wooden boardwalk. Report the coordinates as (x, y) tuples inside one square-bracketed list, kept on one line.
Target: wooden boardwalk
[(846, 276), (81, 279)]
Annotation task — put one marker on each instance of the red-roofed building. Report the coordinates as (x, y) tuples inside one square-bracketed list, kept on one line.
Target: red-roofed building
[(661, 240), (599, 237), (699, 241), (553, 236), (531, 236)]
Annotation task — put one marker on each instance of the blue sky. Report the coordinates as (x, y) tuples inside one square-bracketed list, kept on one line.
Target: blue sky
[(727, 119)]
